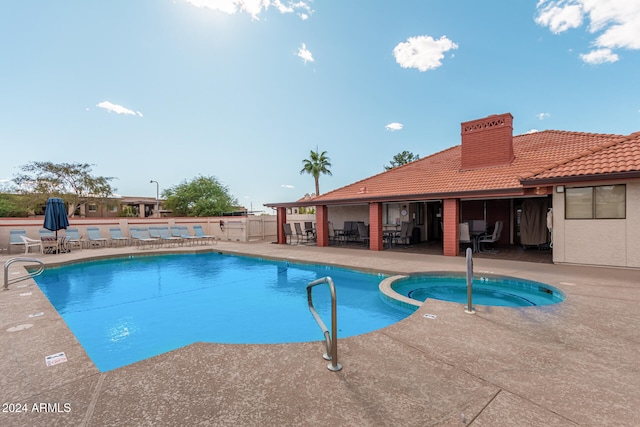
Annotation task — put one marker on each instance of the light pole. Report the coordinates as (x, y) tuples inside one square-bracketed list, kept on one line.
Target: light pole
[(157, 213)]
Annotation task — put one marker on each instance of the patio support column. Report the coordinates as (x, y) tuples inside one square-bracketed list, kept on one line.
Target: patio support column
[(451, 218), (322, 225), (375, 227), (281, 220)]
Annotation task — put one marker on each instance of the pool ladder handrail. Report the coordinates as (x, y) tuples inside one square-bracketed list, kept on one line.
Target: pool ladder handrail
[(31, 274), (331, 340)]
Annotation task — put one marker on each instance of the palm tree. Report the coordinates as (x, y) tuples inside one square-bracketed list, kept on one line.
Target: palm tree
[(316, 164)]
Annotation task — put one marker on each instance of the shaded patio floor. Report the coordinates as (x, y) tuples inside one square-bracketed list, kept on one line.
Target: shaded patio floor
[(434, 247)]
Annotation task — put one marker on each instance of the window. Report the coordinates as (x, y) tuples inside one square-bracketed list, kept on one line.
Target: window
[(602, 202), (92, 207)]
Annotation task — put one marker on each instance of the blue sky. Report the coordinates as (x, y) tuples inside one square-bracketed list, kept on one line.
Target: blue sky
[(168, 90)]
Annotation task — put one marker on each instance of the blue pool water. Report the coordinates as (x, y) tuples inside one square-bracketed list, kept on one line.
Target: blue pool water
[(129, 309), (492, 291)]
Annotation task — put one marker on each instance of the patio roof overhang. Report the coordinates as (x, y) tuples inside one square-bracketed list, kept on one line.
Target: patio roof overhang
[(394, 198), (537, 182)]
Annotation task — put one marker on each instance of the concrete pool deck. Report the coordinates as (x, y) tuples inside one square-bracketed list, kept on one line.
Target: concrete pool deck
[(575, 363)]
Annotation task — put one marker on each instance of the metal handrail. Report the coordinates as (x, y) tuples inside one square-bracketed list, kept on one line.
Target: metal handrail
[(469, 308), (31, 274), (330, 340)]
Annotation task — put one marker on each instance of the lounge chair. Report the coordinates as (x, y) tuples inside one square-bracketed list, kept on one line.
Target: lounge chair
[(46, 233), (166, 236), (74, 240), (154, 233), (182, 231), (15, 240), (199, 232), (141, 237), (117, 237), (30, 243), (95, 239)]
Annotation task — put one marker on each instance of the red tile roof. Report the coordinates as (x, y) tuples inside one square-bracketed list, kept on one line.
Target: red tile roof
[(541, 153), (619, 155)]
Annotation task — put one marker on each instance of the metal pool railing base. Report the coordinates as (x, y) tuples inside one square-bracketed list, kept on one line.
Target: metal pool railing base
[(331, 340)]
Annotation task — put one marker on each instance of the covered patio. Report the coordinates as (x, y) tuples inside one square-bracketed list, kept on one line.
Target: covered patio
[(495, 181)]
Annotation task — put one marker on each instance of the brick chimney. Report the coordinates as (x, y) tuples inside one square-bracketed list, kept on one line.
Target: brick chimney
[(487, 142)]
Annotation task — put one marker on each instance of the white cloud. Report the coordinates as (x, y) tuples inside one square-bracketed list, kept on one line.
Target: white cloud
[(559, 16), (599, 56), (422, 52), (287, 186), (255, 7), (305, 54), (617, 23), (532, 131), (394, 126), (118, 109), (542, 116)]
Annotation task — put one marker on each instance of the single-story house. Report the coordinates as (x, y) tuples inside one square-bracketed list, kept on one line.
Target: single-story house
[(576, 192)]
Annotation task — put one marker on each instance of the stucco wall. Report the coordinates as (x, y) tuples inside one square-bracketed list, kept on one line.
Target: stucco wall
[(606, 242), (339, 214), (240, 229)]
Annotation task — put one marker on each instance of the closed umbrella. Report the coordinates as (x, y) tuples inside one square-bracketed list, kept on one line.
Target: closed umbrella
[(55, 215)]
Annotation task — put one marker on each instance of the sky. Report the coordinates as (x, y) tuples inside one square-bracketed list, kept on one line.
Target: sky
[(243, 90)]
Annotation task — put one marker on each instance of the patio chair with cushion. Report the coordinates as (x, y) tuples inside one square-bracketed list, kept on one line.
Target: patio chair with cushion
[(49, 241)]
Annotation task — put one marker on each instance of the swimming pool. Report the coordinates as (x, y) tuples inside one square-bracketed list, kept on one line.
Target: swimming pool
[(128, 309), (486, 290)]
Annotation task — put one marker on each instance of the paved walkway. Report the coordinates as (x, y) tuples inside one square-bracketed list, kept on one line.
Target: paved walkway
[(575, 363)]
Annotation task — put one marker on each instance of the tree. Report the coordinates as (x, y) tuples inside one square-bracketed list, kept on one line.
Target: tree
[(316, 164), (402, 159), (202, 196), (11, 206), (72, 182)]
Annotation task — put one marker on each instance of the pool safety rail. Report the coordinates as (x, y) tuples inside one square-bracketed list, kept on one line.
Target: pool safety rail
[(469, 308), (31, 274), (330, 339)]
